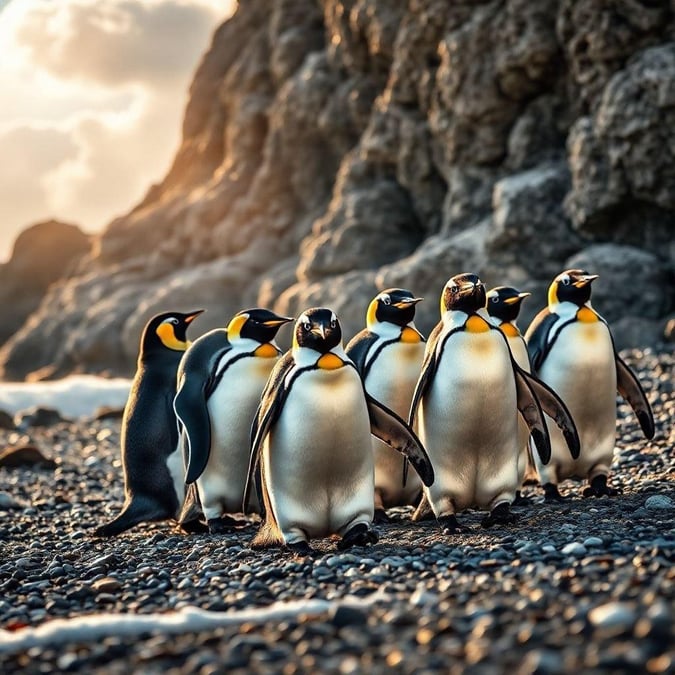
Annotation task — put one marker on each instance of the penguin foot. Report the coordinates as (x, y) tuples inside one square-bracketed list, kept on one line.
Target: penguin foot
[(300, 547), (194, 527), (381, 517), (599, 488), (359, 535), (520, 500), (223, 525), (500, 515), (450, 525), (551, 493)]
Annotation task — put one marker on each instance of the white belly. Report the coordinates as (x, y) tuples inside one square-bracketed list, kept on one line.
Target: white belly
[(317, 459), (391, 380), (231, 409), (469, 424), (581, 369)]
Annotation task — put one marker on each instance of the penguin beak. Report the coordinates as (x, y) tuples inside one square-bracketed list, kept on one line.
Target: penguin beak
[(402, 304), (467, 288), (279, 321), (191, 316), (320, 330), (516, 298), (585, 280)]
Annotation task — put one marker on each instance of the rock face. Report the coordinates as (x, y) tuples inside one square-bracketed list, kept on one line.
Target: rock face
[(43, 254), (333, 148)]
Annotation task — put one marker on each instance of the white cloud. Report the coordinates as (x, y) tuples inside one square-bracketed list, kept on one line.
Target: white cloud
[(95, 93)]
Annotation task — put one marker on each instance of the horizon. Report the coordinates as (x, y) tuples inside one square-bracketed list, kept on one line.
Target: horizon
[(98, 90)]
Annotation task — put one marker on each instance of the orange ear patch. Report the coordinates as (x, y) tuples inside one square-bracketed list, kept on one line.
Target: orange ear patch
[(330, 361), (476, 324), (168, 338), (266, 351), (410, 336)]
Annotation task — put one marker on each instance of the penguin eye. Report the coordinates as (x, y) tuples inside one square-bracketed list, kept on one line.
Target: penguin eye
[(306, 326), (454, 289), (494, 298), (386, 300), (566, 281), (333, 323), (174, 321)]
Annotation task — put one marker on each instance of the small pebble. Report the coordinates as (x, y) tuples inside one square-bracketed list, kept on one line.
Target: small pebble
[(574, 548)]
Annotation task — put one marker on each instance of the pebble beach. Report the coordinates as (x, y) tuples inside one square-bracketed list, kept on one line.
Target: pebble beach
[(586, 585)]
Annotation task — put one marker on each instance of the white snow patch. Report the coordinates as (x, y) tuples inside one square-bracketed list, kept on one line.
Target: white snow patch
[(92, 628), (73, 396)]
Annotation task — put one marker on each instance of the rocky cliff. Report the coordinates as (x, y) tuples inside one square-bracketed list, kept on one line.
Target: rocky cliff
[(331, 148)]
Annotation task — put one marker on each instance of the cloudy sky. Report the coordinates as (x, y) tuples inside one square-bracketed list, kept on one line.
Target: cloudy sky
[(93, 93)]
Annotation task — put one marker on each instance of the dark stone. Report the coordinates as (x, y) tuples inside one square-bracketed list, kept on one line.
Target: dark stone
[(25, 456)]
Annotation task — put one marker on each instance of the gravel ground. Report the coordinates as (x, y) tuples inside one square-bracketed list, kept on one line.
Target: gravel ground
[(586, 585)]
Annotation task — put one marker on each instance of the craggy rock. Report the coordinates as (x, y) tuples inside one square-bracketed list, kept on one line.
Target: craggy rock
[(37, 416), (43, 254), (332, 148)]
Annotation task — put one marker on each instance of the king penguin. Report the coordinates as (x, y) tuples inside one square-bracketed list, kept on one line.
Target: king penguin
[(388, 354), (153, 470), (503, 307), (468, 397), (220, 379), (311, 450), (571, 349)]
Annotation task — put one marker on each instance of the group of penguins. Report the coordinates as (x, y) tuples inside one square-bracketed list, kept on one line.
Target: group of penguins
[(319, 440)]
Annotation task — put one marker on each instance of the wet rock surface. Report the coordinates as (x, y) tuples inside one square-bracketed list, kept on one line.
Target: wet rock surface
[(586, 585)]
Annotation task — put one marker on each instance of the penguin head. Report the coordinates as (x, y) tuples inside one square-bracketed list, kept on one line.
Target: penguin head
[(167, 330), (571, 286), (463, 292), (317, 328), (503, 302), (256, 324), (395, 305)]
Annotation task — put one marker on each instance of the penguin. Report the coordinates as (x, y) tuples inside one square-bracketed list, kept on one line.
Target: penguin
[(388, 354), (311, 449), (153, 468), (572, 350), (468, 396), (220, 379), (503, 306)]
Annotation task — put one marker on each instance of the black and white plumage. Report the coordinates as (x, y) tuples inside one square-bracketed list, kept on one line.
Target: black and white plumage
[(153, 469), (467, 398), (220, 379), (571, 349), (388, 354), (311, 442)]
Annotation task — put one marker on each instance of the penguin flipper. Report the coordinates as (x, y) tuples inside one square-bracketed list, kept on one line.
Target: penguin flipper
[(631, 390), (390, 428), (556, 409), (358, 348), (530, 409), (536, 337), (191, 510), (272, 402), (137, 510), (193, 414), (429, 366)]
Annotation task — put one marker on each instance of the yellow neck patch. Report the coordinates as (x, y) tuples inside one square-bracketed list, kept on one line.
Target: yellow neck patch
[(266, 351), (476, 324), (553, 294), (330, 361), (586, 315), (371, 319), (167, 336), (235, 326), (508, 329), (410, 336)]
